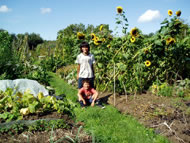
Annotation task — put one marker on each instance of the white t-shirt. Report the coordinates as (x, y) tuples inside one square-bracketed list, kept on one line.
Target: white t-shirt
[(86, 62)]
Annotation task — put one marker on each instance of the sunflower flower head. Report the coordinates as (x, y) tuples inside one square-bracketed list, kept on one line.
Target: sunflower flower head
[(119, 9), (99, 41), (134, 32), (132, 39), (108, 46), (170, 12), (80, 35), (96, 38), (101, 27), (93, 36), (103, 39), (96, 43), (170, 40), (146, 51), (110, 37), (178, 13), (147, 63)]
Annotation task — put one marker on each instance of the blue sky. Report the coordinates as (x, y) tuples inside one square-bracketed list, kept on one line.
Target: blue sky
[(47, 17)]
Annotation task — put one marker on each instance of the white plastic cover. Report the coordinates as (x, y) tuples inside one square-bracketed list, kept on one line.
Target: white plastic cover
[(22, 85)]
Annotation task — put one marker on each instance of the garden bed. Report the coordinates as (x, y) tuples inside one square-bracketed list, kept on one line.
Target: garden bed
[(71, 129), (168, 116)]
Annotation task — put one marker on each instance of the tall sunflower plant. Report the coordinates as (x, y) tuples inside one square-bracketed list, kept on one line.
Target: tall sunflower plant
[(170, 47), (122, 19)]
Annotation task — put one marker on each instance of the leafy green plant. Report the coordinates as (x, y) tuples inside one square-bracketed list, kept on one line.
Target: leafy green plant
[(9, 62), (19, 105), (39, 125), (162, 89)]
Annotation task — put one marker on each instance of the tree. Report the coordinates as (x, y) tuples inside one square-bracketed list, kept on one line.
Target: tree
[(34, 40), (72, 29)]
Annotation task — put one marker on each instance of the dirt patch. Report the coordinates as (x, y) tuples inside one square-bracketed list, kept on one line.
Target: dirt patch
[(168, 116), (46, 136), (46, 115)]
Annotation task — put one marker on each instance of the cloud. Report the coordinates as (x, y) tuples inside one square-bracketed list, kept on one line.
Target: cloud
[(149, 15), (45, 10), (4, 8)]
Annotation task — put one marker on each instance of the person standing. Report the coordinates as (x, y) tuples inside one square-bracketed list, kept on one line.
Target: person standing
[(85, 68)]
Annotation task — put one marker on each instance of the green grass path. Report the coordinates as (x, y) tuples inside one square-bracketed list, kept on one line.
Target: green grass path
[(107, 125)]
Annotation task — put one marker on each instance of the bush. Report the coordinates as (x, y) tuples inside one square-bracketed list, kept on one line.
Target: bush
[(10, 66)]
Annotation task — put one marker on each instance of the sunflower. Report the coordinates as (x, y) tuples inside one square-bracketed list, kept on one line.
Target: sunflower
[(103, 39), (177, 23), (134, 32), (108, 46), (147, 63), (99, 41), (119, 9), (96, 42), (170, 12), (178, 13), (80, 35), (96, 38), (110, 37), (93, 36), (101, 27), (146, 51), (170, 40), (132, 39)]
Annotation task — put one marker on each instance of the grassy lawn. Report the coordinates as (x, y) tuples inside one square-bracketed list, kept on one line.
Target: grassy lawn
[(107, 125)]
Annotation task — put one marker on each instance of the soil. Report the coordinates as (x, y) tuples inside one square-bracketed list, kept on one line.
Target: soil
[(45, 136), (168, 116)]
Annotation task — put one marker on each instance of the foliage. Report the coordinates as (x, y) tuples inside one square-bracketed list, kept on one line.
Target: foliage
[(14, 107), (33, 39), (68, 43), (180, 89), (39, 125), (165, 90), (9, 62), (16, 60), (139, 59), (37, 72)]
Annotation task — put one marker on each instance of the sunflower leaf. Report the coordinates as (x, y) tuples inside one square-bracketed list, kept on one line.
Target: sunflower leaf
[(124, 31), (165, 21), (158, 42), (126, 19), (118, 22)]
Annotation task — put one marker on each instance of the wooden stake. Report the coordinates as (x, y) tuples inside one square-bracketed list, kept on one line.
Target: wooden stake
[(114, 86)]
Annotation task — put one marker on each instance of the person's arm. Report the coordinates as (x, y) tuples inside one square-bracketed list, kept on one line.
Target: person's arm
[(80, 97), (93, 70), (93, 65), (78, 70), (94, 97)]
